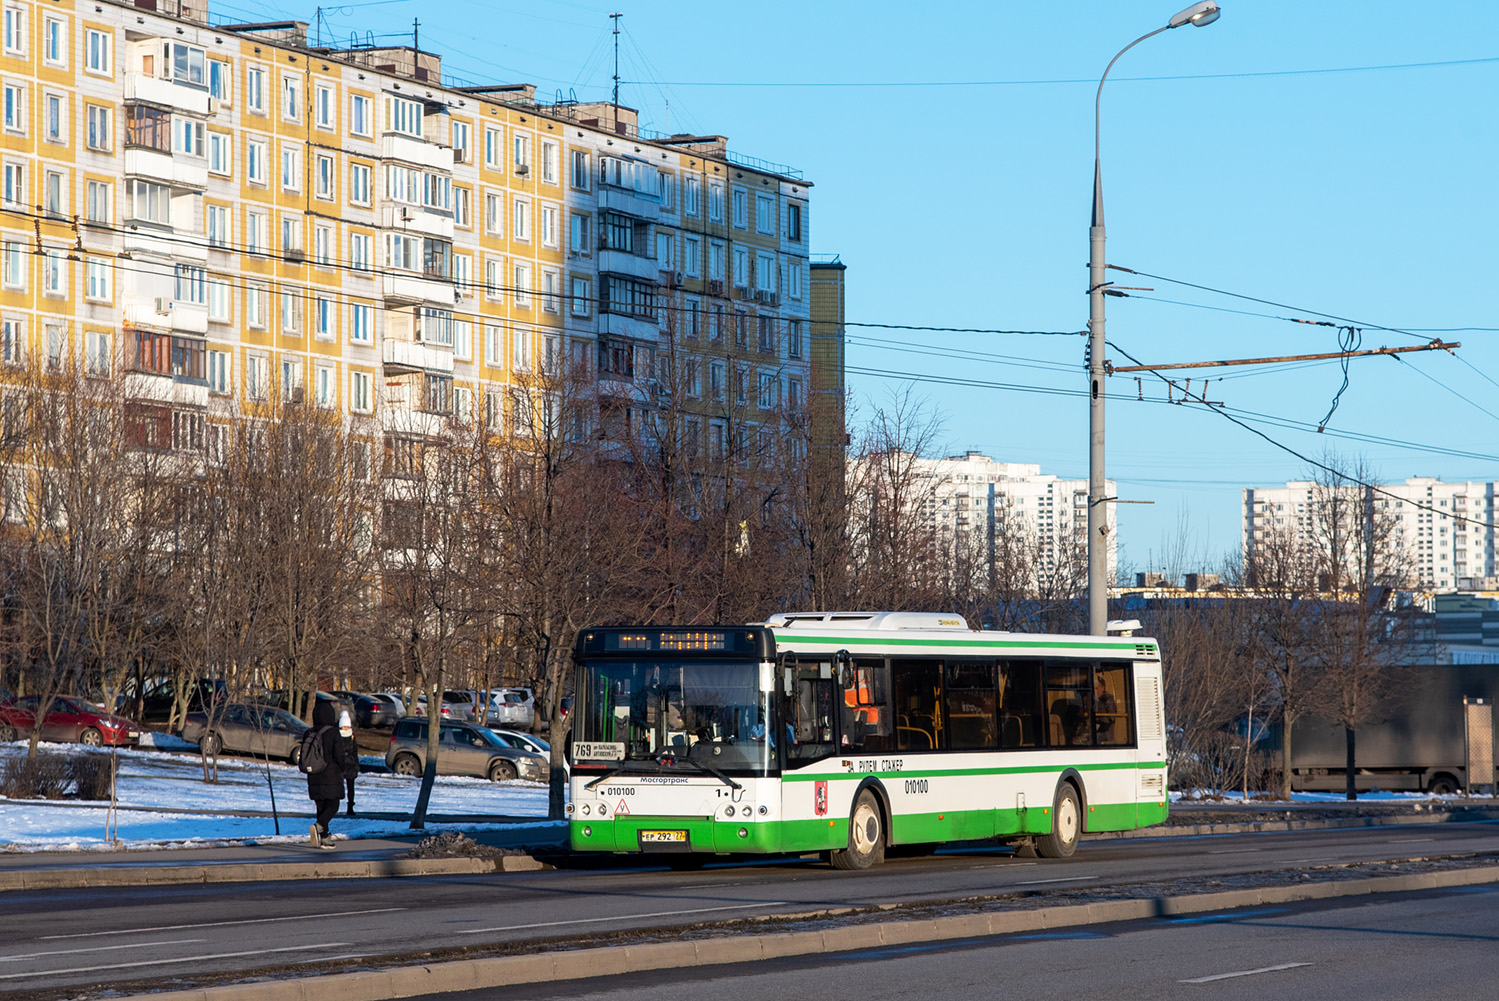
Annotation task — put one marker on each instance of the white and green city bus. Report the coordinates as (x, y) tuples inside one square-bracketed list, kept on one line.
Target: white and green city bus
[(851, 733)]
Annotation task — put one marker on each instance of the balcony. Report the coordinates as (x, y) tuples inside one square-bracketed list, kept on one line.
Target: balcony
[(416, 152), (140, 87), (623, 325), (406, 356), (405, 288), (411, 423), (612, 199), (415, 219), (189, 317), (621, 263)]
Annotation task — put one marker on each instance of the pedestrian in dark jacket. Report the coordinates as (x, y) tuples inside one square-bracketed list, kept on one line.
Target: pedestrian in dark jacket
[(351, 768), (325, 788)]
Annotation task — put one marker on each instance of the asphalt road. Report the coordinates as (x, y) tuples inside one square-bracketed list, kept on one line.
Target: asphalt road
[(113, 935), (1410, 946)]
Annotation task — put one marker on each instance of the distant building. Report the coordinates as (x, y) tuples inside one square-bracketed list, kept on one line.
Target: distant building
[(1444, 529), (972, 499)]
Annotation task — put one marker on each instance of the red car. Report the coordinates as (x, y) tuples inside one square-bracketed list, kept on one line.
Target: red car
[(67, 719)]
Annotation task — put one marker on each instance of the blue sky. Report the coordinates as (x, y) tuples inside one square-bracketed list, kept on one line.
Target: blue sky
[(962, 200)]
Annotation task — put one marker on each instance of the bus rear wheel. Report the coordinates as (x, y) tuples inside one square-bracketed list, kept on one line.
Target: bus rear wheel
[(1066, 824), (866, 836)]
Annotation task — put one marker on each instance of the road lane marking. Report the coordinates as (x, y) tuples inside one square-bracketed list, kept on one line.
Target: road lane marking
[(1234, 851), (220, 924), (180, 959), (1242, 973), (97, 948), (1409, 841), (623, 917), (1064, 879)]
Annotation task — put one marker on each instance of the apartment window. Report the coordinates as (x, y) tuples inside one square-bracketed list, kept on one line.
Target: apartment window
[(493, 282), (741, 209), (521, 216), (53, 194), (257, 376), (100, 130), (715, 202), (581, 228), (55, 112), (463, 273), (463, 340), (458, 136), (765, 214), (666, 246), (322, 106), (184, 64), (692, 256), (97, 280), (361, 323), (322, 176), (221, 80), (493, 214), (255, 89), (359, 183), (15, 108), (403, 116), (220, 153), (691, 317), (793, 338), (523, 285), (187, 136), (463, 207), (148, 127), (257, 151), (325, 314), (291, 313), (716, 322), (582, 296), (581, 171), (522, 151), (741, 267), (550, 301), (291, 169), (13, 259), (218, 301), (54, 273), (494, 346), (716, 381), (149, 202), (291, 237), (794, 222), (665, 187), (291, 379), (97, 205), (218, 225), (54, 41), (794, 279), (741, 328), (463, 404), (97, 356), (189, 285), (98, 49), (218, 373), (56, 338), (549, 225), (360, 118), (257, 233), (765, 327), (322, 245), (322, 386), (15, 31), (691, 195), (291, 98), (361, 392), (549, 162), (793, 395), (520, 356), (360, 251), (12, 345), (715, 260), (493, 148), (765, 272)]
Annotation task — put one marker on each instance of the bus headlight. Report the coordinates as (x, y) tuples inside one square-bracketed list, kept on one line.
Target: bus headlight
[(603, 809), (585, 809)]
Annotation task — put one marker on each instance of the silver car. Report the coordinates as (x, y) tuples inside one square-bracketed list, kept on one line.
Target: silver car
[(262, 731), (462, 749)]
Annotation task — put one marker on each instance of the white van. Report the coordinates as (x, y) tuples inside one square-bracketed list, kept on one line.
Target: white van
[(512, 707)]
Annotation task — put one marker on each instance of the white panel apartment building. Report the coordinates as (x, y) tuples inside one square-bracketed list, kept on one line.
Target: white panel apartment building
[(1447, 526), (972, 494)]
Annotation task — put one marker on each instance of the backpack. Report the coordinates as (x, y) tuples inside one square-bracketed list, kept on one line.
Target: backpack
[(313, 759)]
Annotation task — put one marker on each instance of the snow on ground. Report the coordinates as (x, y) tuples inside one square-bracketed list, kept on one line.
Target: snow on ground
[(1260, 798), (160, 781)]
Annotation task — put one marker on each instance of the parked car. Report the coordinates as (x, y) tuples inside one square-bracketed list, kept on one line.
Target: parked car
[(419, 708), (511, 707), (247, 728), (276, 699), (159, 694), (68, 719), (374, 713), (463, 749), (396, 700), (529, 742)]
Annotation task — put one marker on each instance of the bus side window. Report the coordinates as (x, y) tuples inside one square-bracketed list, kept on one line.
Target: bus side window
[(866, 707), (1020, 703), (970, 706), (1111, 709), (811, 728), (1068, 698), (918, 707)]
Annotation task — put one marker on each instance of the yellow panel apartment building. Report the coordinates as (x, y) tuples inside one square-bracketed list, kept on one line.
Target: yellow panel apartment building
[(221, 214)]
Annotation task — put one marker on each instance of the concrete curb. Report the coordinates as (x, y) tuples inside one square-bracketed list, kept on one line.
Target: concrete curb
[(580, 964), (239, 872), (1262, 826)]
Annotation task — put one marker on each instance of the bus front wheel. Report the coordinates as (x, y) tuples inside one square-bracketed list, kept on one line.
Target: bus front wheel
[(1066, 824), (866, 836)]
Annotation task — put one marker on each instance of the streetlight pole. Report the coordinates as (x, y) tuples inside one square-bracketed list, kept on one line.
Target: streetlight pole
[(1198, 14)]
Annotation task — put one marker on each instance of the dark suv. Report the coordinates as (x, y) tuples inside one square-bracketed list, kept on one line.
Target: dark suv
[(463, 749)]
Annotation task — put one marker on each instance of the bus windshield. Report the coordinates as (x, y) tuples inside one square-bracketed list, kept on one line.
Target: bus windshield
[(674, 713)]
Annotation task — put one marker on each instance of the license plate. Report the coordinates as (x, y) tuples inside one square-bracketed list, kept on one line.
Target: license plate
[(133, 734), (664, 837)]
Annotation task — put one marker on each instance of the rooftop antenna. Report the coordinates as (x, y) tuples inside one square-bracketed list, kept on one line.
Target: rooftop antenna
[(416, 35), (615, 18)]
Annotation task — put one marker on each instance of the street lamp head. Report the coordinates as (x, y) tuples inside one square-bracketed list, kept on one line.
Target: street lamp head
[(1199, 14)]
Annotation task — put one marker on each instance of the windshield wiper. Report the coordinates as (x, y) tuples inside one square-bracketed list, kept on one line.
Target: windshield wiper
[(660, 764), (621, 770), (711, 770)]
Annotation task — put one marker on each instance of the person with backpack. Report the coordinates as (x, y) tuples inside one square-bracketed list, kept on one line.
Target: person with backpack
[(326, 762)]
